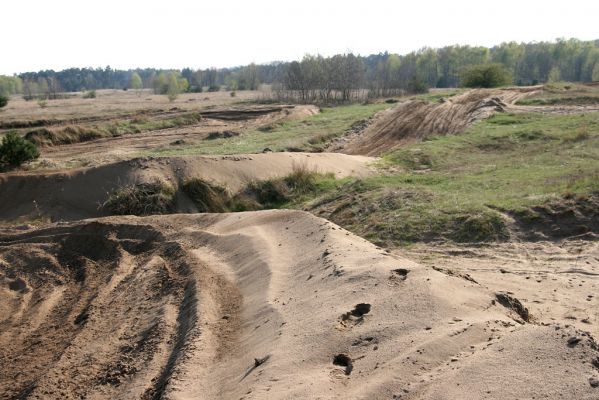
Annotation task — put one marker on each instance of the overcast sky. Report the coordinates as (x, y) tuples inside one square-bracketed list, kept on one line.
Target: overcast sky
[(57, 34)]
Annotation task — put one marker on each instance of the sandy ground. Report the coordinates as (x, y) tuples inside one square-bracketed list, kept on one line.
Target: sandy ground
[(78, 193), (273, 304), (557, 280)]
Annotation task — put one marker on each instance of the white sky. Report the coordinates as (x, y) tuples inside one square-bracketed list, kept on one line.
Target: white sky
[(57, 34)]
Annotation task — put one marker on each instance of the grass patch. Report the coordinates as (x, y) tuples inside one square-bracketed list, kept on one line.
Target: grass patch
[(206, 196), (563, 93), (141, 199), (292, 189), (309, 134), (560, 100)]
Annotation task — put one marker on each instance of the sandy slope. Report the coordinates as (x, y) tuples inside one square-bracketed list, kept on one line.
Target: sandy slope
[(414, 120), (180, 306), (77, 193)]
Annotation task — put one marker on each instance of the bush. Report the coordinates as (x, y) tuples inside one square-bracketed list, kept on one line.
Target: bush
[(486, 76), (417, 86), (141, 199), (214, 88), (15, 150), (90, 94), (206, 197), (273, 193), (3, 101)]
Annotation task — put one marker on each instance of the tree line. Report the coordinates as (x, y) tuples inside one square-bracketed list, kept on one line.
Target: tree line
[(342, 77)]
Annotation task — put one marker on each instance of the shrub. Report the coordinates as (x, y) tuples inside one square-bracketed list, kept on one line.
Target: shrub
[(205, 196), (195, 89), (15, 150), (141, 199), (273, 193), (478, 227), (486, 76), (90, 94), (417, 86), (214, 88), (3, 101)]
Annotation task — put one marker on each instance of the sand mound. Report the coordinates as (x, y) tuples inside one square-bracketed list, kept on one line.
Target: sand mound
[(273, 304), (78, 193), (413, 120)]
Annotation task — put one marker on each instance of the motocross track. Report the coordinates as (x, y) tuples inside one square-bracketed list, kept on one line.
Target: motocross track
[(275, 304), (268, 304), (414, 120)]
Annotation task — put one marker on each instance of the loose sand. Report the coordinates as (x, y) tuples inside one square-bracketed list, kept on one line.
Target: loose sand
[(272, 304)]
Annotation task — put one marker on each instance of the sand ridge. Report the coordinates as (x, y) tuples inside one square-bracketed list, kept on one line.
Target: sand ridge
[(78, 193)]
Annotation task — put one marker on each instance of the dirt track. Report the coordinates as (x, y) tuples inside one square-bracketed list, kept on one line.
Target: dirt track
[(181, 306)]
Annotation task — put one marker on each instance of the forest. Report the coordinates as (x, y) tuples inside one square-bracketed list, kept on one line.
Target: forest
[(340, 77)]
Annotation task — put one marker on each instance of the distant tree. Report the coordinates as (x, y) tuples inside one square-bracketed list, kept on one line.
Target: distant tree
[(136, 83), (417, 85), (555, 75), (10, 85), (15, 150), (595, 77), (486, 76), (160, 83), (3, 100), (172, 91)]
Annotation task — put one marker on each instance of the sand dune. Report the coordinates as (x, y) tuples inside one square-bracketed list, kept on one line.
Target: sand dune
[(272, 304), (78, 193)]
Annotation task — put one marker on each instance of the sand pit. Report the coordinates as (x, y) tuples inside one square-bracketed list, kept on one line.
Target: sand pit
[(272, 304), (78, 193), (414, 120)]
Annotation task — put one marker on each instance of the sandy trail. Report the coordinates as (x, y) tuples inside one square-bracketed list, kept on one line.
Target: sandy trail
[(180, 306), (78, 193)]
